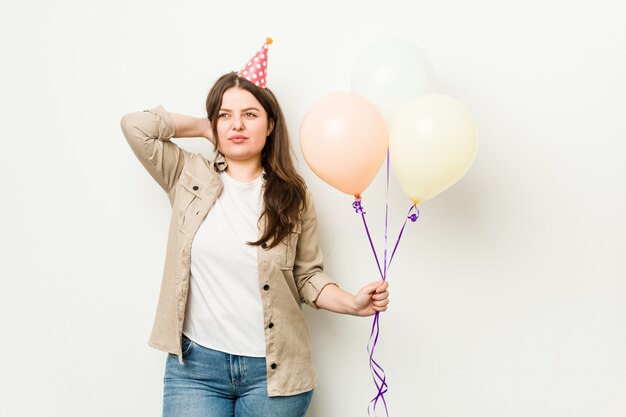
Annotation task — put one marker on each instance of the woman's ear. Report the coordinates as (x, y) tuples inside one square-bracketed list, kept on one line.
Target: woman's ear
[(270, 127)]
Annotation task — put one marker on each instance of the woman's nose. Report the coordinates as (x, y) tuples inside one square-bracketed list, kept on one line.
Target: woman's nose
[(237, 123)]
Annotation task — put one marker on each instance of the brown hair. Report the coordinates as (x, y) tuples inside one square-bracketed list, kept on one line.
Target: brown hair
[(285, 190)]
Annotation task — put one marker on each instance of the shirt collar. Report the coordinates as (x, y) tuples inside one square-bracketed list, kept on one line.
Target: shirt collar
[(220, 163)]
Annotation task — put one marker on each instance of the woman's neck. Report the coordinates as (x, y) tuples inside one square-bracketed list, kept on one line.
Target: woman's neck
[(244, 171)]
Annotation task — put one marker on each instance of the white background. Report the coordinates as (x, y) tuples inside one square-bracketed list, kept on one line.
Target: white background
[(507, 295)]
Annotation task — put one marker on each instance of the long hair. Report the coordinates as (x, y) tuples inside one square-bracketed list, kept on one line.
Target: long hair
[(285, 190)]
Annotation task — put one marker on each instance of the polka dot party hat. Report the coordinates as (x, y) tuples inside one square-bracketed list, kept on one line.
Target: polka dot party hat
[(256, 69)]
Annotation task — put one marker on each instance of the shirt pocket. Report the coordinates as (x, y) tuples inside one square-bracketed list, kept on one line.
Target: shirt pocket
[(287, 254), (190, 191)]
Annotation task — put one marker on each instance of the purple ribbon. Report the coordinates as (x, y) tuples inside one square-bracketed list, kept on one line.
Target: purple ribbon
[(377, 371)]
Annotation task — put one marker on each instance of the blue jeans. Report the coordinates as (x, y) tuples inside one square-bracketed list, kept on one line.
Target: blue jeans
[(211, 383)]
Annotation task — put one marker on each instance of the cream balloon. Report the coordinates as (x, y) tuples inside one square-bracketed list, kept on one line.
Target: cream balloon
[(344, 140), (432, 144), (390, 73)]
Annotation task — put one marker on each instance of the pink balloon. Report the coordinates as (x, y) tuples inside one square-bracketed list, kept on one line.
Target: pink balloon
[(344, 140)]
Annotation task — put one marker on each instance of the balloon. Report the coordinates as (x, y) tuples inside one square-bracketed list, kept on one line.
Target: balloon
[(390, 73), (432, 144), (344, 140)]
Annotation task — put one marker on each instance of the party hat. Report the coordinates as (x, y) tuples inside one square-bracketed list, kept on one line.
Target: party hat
[(256, 69)]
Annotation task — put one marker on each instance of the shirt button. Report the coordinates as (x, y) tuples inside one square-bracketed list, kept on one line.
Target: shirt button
[(264, 245), (270, 325), (266, 287), (273, 366), (195, 187)]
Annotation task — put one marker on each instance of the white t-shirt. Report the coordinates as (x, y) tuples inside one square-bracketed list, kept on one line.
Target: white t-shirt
[(224, 309)]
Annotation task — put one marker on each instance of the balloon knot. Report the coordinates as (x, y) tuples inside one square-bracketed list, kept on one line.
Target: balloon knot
[(413, 217), (358, 208)]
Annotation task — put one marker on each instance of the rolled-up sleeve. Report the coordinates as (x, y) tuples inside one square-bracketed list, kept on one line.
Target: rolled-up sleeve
[(148, 133), (308, 266)]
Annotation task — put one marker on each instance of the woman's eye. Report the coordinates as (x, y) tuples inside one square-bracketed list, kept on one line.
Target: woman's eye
[(250, 114), (222, 115)]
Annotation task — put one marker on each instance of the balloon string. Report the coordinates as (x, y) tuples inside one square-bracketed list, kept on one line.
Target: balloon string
[(413, 217), (378, 373), (359, 209), (380, 381), (379, 377), (386, 217)]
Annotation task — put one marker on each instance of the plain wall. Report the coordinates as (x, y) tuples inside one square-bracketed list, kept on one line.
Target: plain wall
[(507, 295)]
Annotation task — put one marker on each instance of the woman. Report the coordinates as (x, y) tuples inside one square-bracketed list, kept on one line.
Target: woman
[(229, 310)]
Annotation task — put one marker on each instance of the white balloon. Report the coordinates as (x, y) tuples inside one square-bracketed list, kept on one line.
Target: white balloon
[(390, 73), (432, 144)]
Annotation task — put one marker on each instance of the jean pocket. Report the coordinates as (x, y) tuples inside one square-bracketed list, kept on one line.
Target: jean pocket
[(186, 345)]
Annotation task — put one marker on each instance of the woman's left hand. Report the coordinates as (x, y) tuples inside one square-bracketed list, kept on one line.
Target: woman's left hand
[(372, 298)]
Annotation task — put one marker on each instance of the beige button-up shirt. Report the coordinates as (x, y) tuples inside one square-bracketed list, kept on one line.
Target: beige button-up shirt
[(289, 274)]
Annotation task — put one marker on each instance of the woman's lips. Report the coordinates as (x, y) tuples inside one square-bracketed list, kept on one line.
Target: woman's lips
[(237, 139)]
